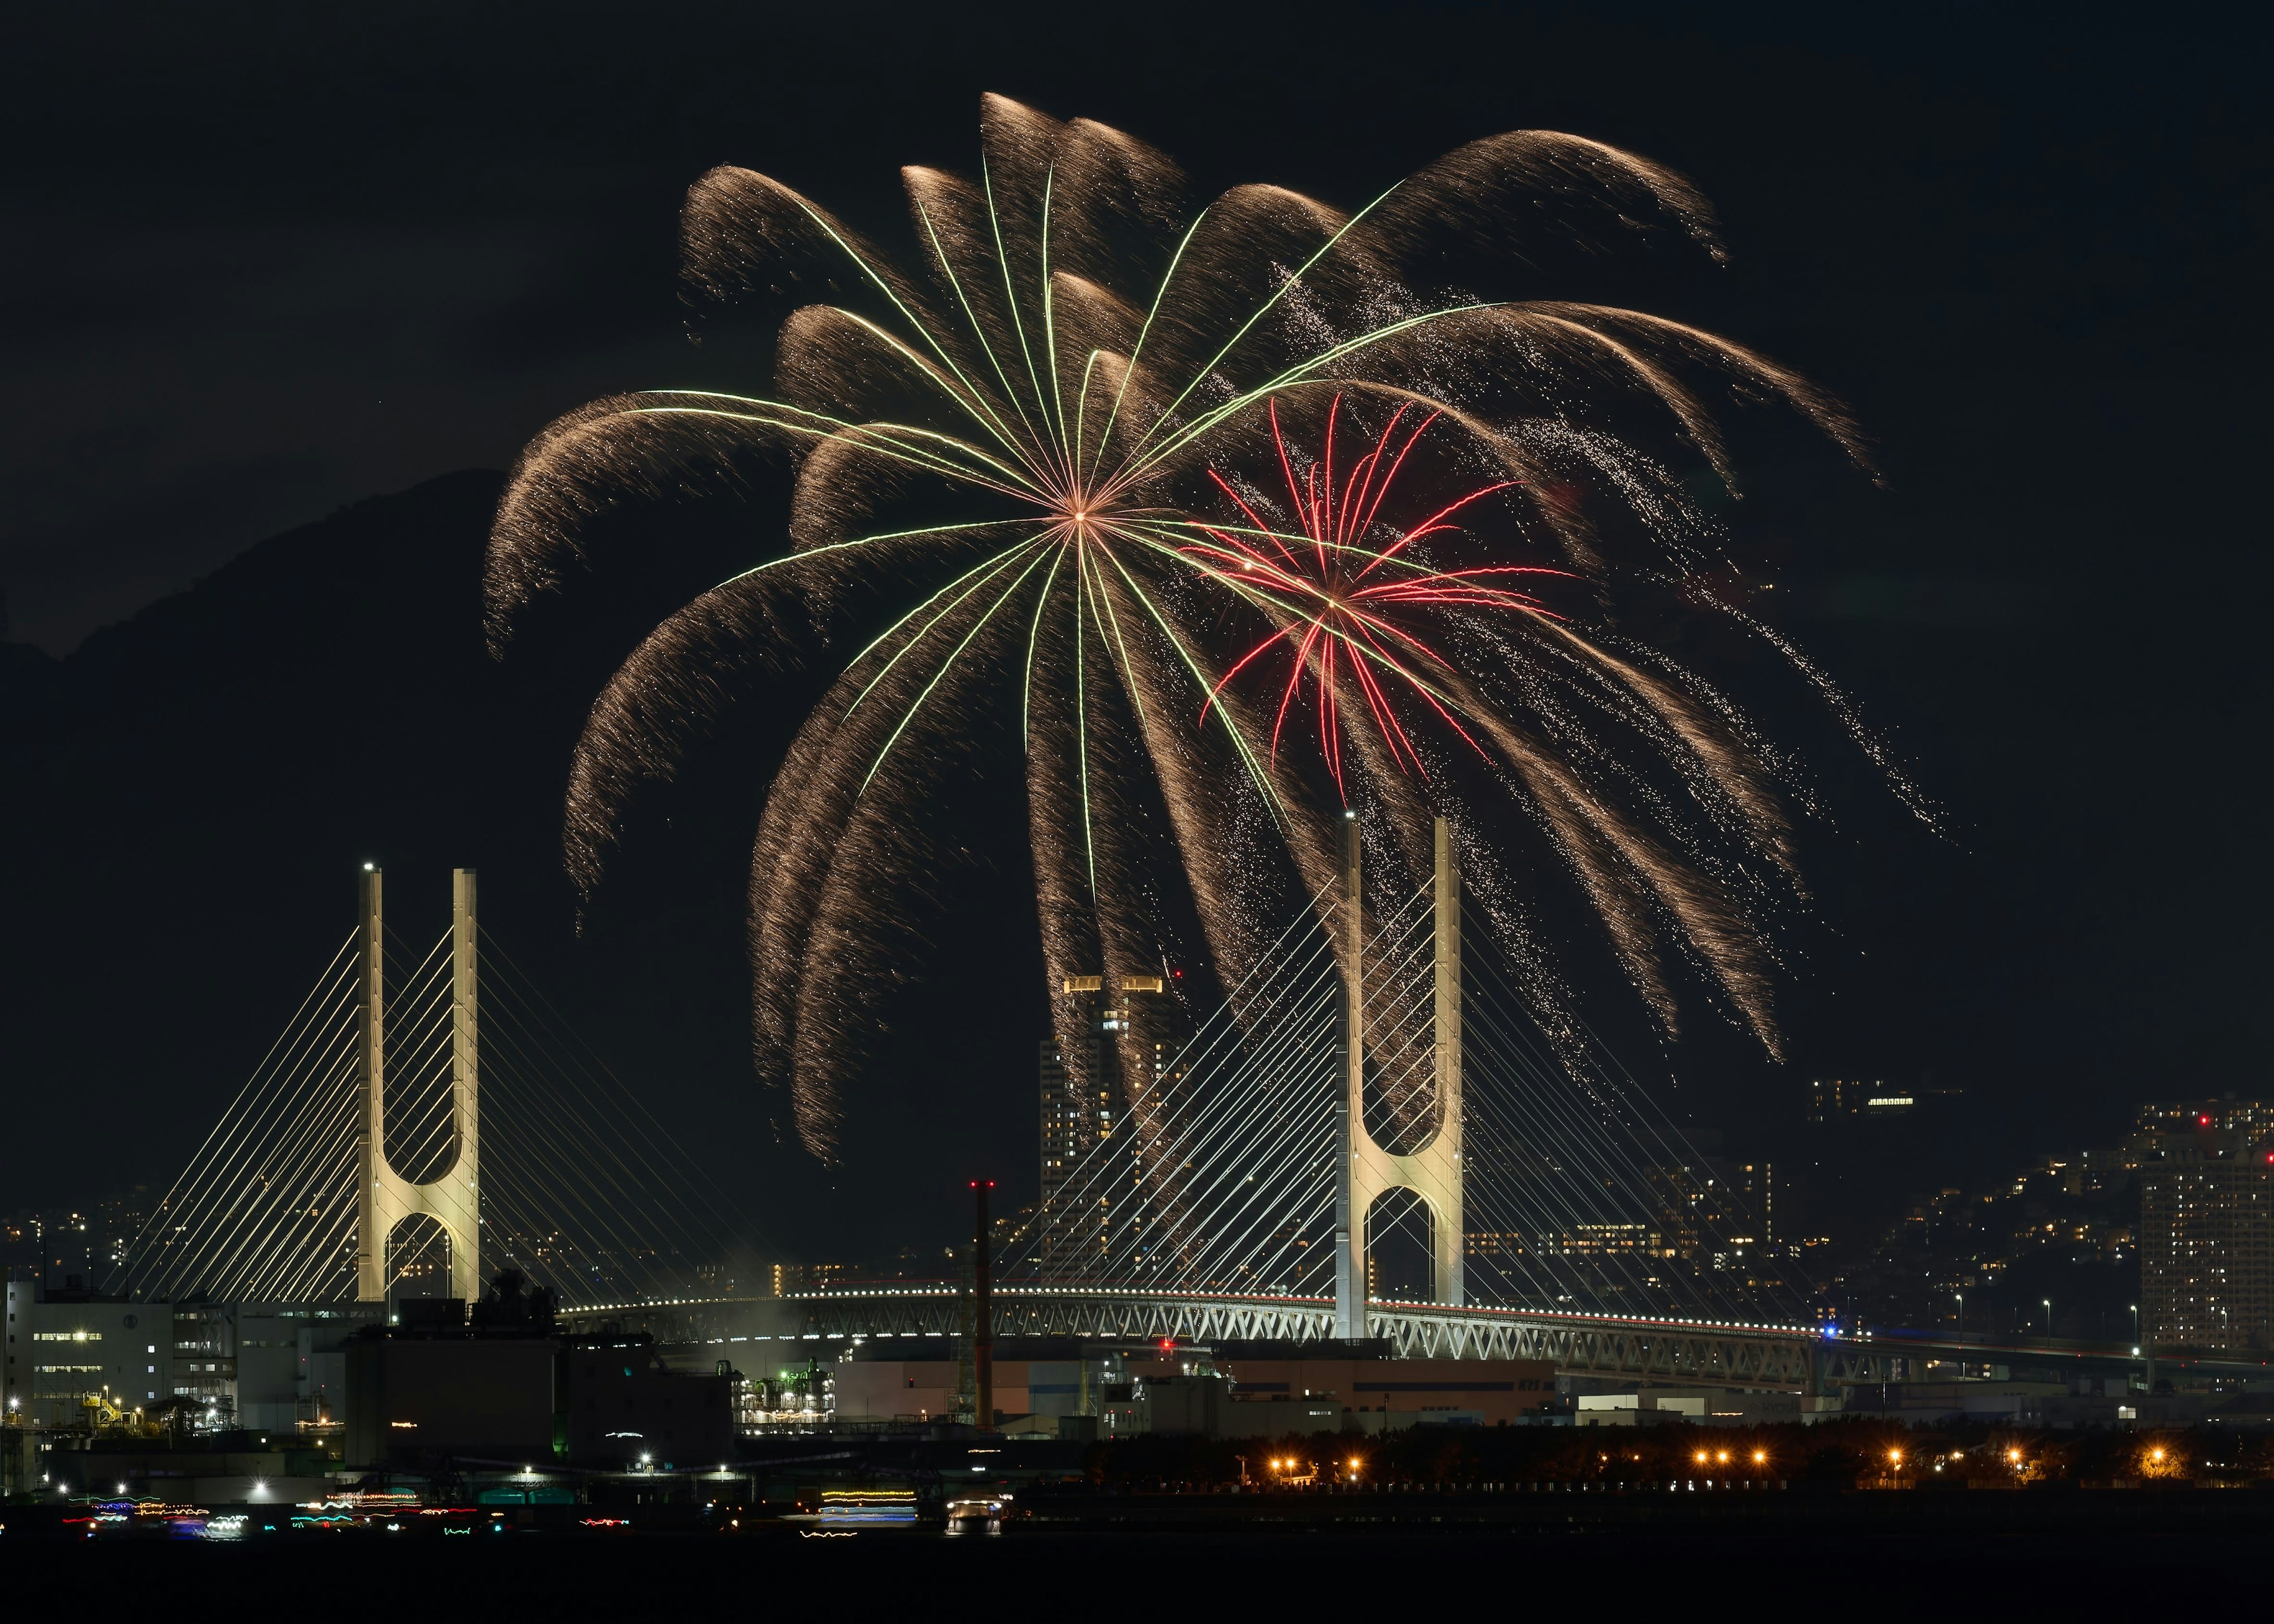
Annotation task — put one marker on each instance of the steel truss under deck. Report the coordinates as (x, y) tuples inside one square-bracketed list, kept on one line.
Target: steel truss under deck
[(1777, 1356)]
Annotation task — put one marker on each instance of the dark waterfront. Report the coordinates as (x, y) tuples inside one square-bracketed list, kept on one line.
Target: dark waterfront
[(1850, 1551)]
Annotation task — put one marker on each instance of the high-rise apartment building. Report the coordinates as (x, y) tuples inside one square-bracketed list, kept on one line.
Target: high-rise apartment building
[(1130, 1041), (2207, 1223), (2220, 1126), (1708, 1206), (1748, 1205)]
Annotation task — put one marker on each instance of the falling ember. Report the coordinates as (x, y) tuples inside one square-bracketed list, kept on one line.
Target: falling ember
[(1009, 473)]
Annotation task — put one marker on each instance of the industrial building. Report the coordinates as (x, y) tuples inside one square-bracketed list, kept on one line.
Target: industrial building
[(68, 1345), (1383, 1393), (1062, 1387), (620, 1402), (1037, 1381), (272, 1366), (1265, 1389), (431, 1386), (502, 1383)]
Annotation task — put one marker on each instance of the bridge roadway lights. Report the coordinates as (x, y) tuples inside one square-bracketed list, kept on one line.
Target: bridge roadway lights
[(1740, 1354)]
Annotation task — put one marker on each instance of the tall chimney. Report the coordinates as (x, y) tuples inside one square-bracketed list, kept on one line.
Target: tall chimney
[(982, 1308)]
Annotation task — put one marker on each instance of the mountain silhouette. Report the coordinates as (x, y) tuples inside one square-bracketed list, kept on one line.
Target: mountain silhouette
[(189, 796)]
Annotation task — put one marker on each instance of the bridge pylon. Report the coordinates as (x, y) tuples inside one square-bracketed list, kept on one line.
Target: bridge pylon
[(1366, 1171), (452, 1197)]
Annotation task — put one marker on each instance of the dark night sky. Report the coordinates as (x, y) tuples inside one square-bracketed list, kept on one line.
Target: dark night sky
[(268, 260)]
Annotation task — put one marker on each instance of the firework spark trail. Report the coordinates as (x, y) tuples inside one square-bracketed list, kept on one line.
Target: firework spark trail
[(1331, 615), (1077, 431)]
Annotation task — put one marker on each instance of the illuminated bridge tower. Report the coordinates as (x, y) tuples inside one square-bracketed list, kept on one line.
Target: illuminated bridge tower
[(1366, 1172), (451, 1198)]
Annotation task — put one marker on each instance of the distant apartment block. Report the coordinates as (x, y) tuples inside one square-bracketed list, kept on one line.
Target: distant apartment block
[(1129, 1035), (2207, 1223)]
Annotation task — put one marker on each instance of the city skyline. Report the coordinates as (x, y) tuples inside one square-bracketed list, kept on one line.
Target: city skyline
[(1248, 783), (2043, 962)]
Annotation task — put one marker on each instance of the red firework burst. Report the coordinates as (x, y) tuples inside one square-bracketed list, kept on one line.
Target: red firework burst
[(1341, 606)]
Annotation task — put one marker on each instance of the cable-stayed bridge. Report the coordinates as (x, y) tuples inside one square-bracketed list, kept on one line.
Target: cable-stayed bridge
[(427, 1120), (1372, 1116), (1368, 1138)]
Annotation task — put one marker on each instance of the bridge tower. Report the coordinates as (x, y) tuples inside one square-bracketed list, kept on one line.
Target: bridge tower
[(1366, 1171), (384, 1198)]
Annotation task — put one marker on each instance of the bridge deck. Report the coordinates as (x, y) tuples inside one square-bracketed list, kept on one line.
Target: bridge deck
[(1668, 1349), (1791, 1358)]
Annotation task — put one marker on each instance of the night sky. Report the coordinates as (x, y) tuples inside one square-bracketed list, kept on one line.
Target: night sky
[(265, 263)]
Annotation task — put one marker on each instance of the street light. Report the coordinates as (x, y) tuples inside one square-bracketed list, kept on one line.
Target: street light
[(2048, 1302)]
